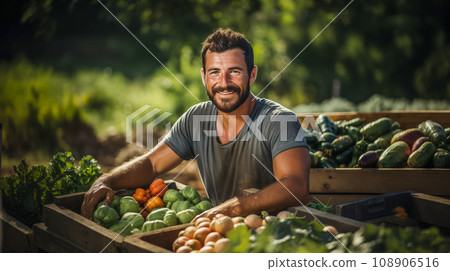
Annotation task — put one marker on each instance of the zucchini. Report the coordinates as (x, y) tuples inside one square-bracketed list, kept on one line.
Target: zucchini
[(359, 148), (422, 155), (434, 131), (388, 136), (381, 143), (441, 159), (326, 162), (325, 124), (311, 137), (327, 137), (341, 143), (368, 159), (356, 122), (379, 151), (376, 128), (345, 156), (394, 156), (447, 131), (408, 136)]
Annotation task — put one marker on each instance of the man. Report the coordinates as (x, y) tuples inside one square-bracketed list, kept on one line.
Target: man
[(236, 139)]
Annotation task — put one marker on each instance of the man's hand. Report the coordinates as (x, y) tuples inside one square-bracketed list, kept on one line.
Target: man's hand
[(230, 208), (98, 191)]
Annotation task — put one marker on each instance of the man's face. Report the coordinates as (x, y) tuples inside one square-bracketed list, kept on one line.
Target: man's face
[(226, 79)]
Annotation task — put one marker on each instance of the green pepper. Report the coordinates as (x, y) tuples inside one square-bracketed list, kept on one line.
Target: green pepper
[(186, 216), (122, 227), (135, 231), (106, 216), (153, 225), (128, 204), (136, 220), (204, 205), (170, 218), (178, 206), (157, 214), (190, 194), (172, 196)]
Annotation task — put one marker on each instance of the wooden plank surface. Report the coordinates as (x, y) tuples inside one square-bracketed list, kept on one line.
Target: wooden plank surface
[(16, 236), (160, 240), (79, 230), (431, 210), (51, 242), (407, 119), (342, 224), (356, 180)]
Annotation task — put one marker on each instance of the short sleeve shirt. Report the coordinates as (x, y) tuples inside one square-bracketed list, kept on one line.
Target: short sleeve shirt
[(245, 162)]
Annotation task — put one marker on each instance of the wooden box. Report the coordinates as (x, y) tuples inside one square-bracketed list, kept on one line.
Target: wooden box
[(16, 236)]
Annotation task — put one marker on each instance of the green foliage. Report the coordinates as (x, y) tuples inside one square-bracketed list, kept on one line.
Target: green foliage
[(25, 192)]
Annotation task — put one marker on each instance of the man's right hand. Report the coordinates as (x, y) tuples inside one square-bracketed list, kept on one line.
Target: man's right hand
[(98, 191)]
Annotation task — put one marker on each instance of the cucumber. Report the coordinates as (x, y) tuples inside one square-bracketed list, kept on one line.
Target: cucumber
[(326, 148), (379, 151), (447, 131), (434, 131), (372, 147), (326, 162), (356, 122), (422, 155), (353, 132), (368, 159), (325, 124), (314, 160), (395, 125), (359, 148), (394, 156), (441, 159), (341, 143), (382, 143), (376, 128), (344, 156), (327, 137), (388, 136)]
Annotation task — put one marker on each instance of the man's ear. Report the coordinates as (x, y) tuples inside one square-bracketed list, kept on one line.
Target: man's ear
[(253, 74), (203, 77)]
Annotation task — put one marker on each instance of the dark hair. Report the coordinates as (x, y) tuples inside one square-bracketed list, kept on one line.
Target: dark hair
[(226, 39)]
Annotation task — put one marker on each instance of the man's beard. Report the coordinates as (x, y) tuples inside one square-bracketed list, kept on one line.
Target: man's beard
[(228, 107)]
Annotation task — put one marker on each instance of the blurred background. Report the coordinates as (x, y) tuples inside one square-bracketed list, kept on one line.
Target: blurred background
[(70, 73)]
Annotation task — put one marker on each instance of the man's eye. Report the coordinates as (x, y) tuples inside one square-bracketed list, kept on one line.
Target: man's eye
[(235, 72), (214, 72)]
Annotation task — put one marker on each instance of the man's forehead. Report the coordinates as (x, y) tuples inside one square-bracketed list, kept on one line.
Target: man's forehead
[(235, 54)]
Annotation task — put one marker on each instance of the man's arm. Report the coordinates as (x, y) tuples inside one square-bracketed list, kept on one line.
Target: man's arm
[(136, 173), (291, 168)]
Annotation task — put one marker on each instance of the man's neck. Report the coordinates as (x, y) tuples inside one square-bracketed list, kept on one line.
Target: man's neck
[(230, 124)]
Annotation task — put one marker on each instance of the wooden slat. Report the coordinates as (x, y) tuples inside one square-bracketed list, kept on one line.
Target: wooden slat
[(342, 224), (16, 236), (52, 242), (356, 180), (160, 240), (407, 119), (431, 210), (80, 231), (340, 198)]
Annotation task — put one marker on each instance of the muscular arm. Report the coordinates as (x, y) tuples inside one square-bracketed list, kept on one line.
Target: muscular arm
[(139, 172), (291, 168)]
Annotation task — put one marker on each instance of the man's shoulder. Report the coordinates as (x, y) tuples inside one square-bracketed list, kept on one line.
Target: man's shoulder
[(269, 107)]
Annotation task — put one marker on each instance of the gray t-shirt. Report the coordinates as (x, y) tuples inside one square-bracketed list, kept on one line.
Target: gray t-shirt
[(227, 169)]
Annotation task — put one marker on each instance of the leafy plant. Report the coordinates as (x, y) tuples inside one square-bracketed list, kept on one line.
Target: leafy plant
[(25, 192)]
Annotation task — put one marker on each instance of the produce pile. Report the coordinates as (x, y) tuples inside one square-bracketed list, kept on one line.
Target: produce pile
[(25, 192), (150, 209), (381, 143), (290, 234)]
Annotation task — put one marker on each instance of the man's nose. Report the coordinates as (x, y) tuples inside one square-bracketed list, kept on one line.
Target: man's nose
[(224, 80)]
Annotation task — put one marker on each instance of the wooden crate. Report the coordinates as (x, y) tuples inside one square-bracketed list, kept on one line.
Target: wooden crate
[(51, 242), (434, 181), (70, 231), (154, 241), (407, 119), (16, 236)]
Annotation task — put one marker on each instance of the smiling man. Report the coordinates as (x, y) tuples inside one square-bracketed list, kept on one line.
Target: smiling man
[(239, 141)]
